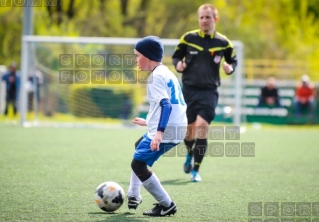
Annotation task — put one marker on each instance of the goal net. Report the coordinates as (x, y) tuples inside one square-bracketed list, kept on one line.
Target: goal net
[(89, 81)]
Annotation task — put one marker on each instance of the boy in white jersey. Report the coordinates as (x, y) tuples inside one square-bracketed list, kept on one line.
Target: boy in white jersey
[(167, 108)]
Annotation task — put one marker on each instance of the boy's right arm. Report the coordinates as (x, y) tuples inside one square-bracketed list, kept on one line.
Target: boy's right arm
[(139, 121)]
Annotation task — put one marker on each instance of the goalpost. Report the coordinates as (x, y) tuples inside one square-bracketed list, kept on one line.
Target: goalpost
[(92, 80)]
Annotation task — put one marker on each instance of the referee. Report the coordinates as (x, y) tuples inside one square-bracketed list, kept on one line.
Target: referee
[(198, 57)]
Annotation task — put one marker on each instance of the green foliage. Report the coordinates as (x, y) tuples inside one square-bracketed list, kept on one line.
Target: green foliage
[(103, 101), (99, 102), (269, 29), (10, 34), (91, 109)]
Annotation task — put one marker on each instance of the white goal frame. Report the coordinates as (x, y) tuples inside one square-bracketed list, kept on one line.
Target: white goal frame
[(25, 62)]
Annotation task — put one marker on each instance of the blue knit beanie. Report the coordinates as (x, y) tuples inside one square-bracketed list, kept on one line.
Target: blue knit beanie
[(151, 47)]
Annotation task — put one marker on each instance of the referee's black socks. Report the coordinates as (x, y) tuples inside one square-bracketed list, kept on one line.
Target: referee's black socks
[(199, 152), (189, 145)]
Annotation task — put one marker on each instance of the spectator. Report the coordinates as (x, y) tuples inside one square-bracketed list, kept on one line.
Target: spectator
[(305, 94), (126, 108), (269, 94), (12, 81), (35, 79)]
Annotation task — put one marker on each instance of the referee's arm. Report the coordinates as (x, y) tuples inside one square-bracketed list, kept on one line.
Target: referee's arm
[(230, 58), (179, 54)]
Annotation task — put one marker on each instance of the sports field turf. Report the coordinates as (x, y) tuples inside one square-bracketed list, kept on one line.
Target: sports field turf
[(50, 174)]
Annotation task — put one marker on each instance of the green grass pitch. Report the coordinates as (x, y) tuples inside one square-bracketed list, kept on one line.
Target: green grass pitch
[(50, 174)]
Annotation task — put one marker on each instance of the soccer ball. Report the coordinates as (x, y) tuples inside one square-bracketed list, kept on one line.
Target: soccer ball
[(109, 196)]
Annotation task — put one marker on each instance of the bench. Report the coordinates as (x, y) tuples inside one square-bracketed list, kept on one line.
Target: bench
[(250, 99)]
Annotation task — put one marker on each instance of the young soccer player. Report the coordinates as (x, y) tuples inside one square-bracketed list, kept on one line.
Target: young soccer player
[(167, 108)]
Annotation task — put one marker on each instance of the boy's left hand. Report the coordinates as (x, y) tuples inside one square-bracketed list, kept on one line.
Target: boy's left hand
[(157, 141)]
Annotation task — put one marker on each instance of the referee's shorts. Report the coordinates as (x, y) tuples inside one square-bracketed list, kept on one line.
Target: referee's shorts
[(200, 102)]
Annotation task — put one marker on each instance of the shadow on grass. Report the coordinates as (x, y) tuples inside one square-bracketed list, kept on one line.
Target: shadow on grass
[(174, 182), (164, 182), (114, 216)]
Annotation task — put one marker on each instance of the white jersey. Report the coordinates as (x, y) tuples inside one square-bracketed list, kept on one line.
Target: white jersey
[(163, 84)]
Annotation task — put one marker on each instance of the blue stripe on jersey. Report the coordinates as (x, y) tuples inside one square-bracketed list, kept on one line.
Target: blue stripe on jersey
[(165, 113)]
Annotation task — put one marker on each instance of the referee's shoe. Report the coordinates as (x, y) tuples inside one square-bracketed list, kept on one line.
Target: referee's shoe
[(188, 164)]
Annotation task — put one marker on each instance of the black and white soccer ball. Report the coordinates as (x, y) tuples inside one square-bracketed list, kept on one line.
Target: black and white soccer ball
[(109, 196)]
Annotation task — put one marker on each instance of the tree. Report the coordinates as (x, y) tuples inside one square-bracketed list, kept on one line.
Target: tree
[(269, 29)]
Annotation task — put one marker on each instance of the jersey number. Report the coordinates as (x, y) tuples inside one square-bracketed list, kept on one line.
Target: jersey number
[(174, 99)]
